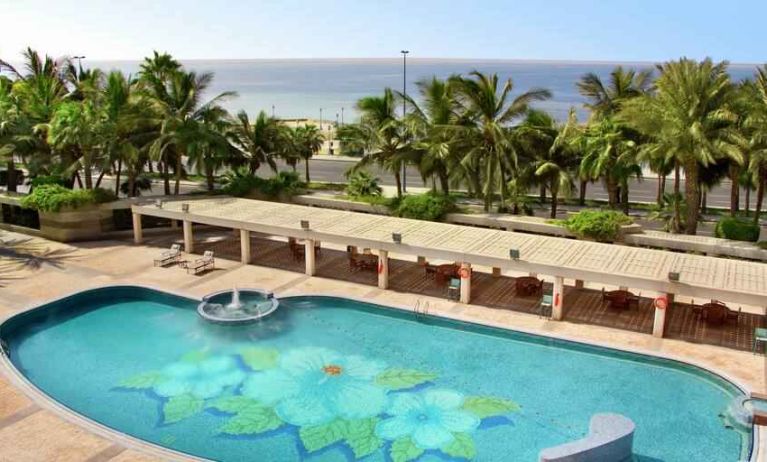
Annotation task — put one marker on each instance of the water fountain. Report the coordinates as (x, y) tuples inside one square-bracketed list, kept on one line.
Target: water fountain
[(237, 306)]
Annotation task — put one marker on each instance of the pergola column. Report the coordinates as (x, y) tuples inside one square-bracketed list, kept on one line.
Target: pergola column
[(558, 299), (311, 265), (383, 269), (245, 246), (138, 232), (662, 305), (579, 283), (188, 237), (465, 282)]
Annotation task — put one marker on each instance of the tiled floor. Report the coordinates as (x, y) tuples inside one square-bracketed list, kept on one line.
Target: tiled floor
[(31, 429)]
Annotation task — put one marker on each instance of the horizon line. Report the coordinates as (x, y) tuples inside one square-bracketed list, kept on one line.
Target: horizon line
[(424, 59)]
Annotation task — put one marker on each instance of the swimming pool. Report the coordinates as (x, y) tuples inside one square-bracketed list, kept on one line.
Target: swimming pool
[(332, 379)]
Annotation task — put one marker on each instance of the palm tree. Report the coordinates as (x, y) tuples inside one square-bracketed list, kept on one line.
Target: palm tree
[(181, 111), (77, 130), (307, 140), (605, 100), (213, 150), (432, 124), (556, 159), (689, 117), (36, 92), (491, 110), (259, 141), (756, 123), (385, 140)]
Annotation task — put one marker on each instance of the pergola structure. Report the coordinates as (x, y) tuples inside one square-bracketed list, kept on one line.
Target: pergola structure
[(733, 281)]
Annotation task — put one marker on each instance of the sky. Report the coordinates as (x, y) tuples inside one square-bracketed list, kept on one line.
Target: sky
[(586, 30)]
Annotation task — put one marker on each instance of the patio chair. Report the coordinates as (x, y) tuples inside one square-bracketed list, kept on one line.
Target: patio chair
[(169, 256), (546, 305), (715, 313), (207, 262), (454, 289)]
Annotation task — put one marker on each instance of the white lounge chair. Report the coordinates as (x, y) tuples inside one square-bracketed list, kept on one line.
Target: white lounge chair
[(207, 262), (169, 256)]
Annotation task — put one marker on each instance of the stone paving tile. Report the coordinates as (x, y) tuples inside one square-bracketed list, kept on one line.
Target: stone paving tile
[(11, 399), (135, 456), (44, 436)]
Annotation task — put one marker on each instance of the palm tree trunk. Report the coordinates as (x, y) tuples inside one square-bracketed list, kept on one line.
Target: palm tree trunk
[(677, 211), (444, 182), (663, 185), (306, 170), (78, 180), (398, 182), (117, 176), (87, 173), (554, 201), (11, 167), (209, 178), (734, 190), (582, 193), (692, 196), (166, 177), (612, 192), (542, 194), (762, 179), (131, 183), (179, 169), (703, 201), (748, 199), (625, 196), (101, 177), (659, 191)]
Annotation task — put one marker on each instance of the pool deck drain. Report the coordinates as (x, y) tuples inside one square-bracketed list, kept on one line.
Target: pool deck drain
[(32, 428)]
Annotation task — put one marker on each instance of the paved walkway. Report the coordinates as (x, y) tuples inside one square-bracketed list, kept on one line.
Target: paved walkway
[(32, 428)]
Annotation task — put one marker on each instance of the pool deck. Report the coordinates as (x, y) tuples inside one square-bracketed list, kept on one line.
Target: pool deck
[(32, 428)]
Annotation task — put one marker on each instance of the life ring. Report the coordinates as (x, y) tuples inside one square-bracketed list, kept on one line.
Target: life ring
[(380, 266), (556, 299), (661, 302), (465, 273)]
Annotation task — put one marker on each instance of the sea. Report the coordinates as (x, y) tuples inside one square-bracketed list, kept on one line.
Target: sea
[(328, 89)]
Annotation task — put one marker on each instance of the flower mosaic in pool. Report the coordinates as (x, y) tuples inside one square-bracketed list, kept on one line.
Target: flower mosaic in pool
[(330, 379)]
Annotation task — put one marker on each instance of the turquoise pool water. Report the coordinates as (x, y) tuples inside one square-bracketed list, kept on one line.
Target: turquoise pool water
[(331, 379)]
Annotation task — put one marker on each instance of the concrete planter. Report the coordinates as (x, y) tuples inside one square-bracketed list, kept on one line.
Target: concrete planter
[(84, 223)]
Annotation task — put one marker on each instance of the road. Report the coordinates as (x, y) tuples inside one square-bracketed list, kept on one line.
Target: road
[(333, 170), (639, 191)]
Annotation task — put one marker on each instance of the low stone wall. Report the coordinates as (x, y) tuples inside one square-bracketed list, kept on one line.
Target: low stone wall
[(702, 244), (84, 223), (339, 204)]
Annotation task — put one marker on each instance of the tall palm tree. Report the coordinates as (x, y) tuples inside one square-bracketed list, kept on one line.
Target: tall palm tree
[(624, 84), (258, 140), (181, 110), (690, 118), (307, 141), (555, 158), (432, 123), (383, 136), (491, 110), (37, 91), (756, 123)]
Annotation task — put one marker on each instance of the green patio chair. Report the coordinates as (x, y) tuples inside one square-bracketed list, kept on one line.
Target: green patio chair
[(454, 289), (760, 335), (545, 307)]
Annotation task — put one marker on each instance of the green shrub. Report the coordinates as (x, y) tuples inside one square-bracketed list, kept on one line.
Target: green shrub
[(736, 229), (53, 197), (762, 244), (363, 184), (429, 206), (41, 180), (602, 225), (240, 183)]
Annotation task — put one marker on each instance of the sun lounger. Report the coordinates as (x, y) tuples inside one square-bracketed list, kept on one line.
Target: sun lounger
[(207, 262), (169, 256)]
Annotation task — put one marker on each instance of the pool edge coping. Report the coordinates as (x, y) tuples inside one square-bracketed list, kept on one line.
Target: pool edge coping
[(48, 403)]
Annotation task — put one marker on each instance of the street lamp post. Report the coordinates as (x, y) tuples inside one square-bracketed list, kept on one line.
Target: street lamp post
[(342, 116), (320, 118), (79, 62), (404, 110), (272, 111)]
